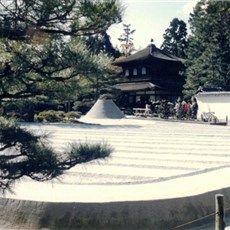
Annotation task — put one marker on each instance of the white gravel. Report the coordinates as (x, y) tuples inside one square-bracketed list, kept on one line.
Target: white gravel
[(151, 160)]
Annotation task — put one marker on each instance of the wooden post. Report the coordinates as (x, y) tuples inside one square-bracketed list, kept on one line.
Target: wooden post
[(219, 223)]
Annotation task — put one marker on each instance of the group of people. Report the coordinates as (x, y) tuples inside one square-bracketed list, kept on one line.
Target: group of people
[(182, 109), (185, 109)]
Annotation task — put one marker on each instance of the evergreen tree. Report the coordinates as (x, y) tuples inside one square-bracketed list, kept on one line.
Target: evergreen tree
[(44, 57), (101, 43), (175, 38), (208, 53), (97, 84), (126, 40)]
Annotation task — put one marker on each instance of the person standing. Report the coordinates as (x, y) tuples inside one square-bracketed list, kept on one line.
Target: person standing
[(186, 109), (178, 108), (194, 108)]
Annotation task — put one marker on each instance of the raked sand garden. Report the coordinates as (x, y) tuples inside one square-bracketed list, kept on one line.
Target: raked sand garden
[(156, 168)]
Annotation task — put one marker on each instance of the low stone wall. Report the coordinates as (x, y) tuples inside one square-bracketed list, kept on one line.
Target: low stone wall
[(217, 102), (157, 214)]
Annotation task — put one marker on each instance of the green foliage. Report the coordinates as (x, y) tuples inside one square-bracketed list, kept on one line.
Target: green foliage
[(24, 18), (175, 38), (45, 66), (73, 115), (101, 43), (94, 87), (83, 152), (56, 116), (83, 104), (44, 59), (208, 53), (44, 73), (43, 62), (26, 154), (50, 116), (21, 110)]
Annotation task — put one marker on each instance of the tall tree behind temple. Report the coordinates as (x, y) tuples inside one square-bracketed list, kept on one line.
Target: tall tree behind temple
[(126, 40), (100, 43), (175, 38), (208, 53)]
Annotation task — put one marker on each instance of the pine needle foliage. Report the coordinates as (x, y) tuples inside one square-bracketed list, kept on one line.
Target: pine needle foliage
[(44, 58), (24, 154)]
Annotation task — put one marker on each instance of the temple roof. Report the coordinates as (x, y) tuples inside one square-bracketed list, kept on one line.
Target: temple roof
[(135, 86), (150, 51)]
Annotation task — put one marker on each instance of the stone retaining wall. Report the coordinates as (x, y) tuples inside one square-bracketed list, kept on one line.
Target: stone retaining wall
[(158, 214)]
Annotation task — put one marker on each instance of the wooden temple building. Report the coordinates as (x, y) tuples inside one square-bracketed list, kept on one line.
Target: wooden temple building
[(149, 75)]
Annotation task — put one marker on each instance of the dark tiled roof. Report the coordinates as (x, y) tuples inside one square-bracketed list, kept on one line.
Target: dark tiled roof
[(150, 51)]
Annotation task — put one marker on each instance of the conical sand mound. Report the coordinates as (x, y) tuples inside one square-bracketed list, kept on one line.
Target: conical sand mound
[(104, 109)]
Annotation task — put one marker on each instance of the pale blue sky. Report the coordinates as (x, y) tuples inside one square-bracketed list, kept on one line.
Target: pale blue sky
[(150, 18)]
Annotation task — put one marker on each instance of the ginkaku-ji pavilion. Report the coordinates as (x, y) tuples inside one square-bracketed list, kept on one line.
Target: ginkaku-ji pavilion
[(150, 75)]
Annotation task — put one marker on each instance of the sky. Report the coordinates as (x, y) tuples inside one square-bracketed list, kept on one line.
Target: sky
[(150, 19)]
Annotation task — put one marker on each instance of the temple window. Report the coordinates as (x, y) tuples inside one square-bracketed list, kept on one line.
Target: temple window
[(143, 70), (134, 71), (126, 72)]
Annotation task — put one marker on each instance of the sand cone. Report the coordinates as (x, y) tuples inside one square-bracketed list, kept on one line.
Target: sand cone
[(105, 108)]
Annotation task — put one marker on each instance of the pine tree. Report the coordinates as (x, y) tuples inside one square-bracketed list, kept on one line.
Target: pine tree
[(44, 57)]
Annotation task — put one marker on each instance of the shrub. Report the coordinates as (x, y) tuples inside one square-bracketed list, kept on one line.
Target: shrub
[(73, 115), (57, 116), (50, 116)]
